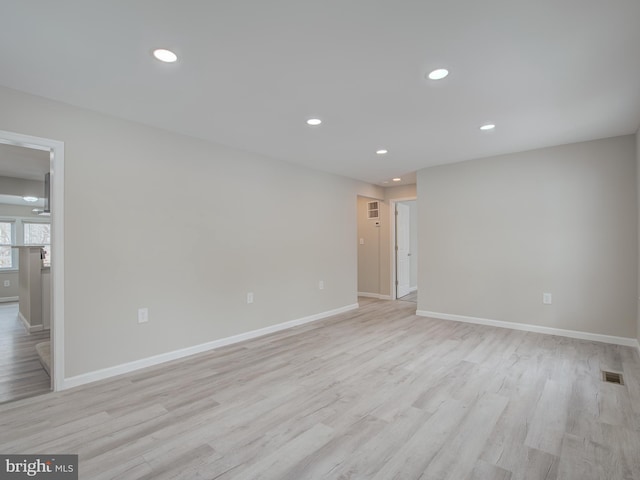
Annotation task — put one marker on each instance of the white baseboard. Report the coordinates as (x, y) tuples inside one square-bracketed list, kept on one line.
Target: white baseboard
[(374, 295), (9, 299), (596, 337), (185, 352), (30, 328), (413, 289)]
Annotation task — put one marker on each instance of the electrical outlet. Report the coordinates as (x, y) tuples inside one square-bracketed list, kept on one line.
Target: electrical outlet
[(321, 284), (250, 297), (546, 298), (143, 315), (7, 283)]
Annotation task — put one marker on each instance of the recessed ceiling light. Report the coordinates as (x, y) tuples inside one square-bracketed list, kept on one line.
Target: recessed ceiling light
[(382, 151), (397, 179), (30, 199), (314, 122), (439, 74), (165, 55), (488, 126)]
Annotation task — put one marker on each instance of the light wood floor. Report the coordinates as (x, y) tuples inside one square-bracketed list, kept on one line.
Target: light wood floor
[(21, 374), (412, 297), (377, 393)]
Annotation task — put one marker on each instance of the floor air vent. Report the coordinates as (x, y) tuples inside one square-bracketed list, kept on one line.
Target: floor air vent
[(612, 377)]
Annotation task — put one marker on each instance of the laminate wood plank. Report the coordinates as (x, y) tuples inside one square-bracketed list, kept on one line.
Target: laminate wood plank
[(326, 460), (379, 449), (411, 297), (584, 459), (470, 438), (623, 444), (243, 448), (103, 426), (549, 421), (506, 447), (615, 405), (135, 467), (414, 457), (278, 464), (174, 460)]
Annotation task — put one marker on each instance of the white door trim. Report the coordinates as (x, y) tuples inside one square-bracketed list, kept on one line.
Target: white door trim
[(56, 150)]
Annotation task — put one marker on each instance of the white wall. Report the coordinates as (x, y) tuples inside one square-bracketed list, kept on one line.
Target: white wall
[(185, 228), (496, 233)]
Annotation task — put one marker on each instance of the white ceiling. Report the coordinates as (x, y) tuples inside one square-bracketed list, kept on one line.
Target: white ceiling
[(250, 73)]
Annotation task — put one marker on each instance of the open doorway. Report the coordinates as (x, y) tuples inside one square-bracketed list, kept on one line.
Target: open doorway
[(406, 250), (31, 265), (25, 232)]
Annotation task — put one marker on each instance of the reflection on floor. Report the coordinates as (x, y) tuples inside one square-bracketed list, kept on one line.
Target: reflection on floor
[(21, 374), (412, 297)]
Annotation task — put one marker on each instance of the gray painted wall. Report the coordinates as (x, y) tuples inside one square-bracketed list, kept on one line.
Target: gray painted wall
[(186, 228), (369, 280), (496, 233)]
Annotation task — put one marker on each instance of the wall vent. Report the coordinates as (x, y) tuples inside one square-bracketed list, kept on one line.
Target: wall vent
[(612, 377), (373, 210)]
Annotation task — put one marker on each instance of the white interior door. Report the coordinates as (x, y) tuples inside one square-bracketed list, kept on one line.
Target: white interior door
[(403, 242)]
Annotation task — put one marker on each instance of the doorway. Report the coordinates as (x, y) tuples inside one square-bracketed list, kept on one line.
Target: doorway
[(406, 251), (31, 313)]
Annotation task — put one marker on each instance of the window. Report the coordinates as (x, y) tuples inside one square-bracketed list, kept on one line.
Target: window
[(6, 237), (39, 234)]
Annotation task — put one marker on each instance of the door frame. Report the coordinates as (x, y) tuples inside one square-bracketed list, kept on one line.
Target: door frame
[(397, 249), (56, 168), (392, 242)]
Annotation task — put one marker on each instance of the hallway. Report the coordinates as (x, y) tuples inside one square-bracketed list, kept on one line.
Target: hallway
[(21, 374)]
